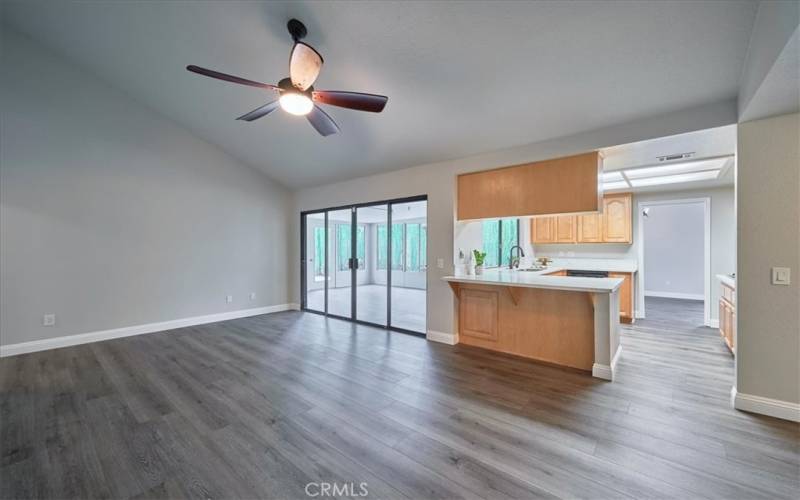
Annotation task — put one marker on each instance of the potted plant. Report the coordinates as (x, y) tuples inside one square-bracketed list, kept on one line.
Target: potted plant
[(479, 256)]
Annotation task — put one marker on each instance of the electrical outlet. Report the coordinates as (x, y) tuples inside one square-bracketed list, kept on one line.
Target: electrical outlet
[(49, 320), (252, 295), (229, 298)]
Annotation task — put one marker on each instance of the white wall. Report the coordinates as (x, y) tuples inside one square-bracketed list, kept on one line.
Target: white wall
[(113, 216), (438, 182), (723, 239), (673, 239), (768, 216)]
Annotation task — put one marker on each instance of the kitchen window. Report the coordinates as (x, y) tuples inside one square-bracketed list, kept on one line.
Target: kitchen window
[(499, 236)]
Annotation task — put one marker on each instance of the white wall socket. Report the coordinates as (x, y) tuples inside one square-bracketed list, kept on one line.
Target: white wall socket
[(252, 295), (229, 298), (49, 320), (781, 276), (440, 263)]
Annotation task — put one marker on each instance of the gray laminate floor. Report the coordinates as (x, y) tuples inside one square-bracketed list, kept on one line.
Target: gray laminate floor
[(264, 406)]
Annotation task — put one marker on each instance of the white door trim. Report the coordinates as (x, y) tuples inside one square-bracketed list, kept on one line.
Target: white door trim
[(706, 201)]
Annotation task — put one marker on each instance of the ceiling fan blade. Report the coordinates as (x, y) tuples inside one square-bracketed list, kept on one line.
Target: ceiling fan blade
[(353, 100), (260, 111), (229, 78), (323, 123), (305, 64)]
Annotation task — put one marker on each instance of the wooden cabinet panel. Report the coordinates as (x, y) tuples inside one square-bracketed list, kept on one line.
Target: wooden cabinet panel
[(478, 313), (543, 230), (566, 230), (590, 228), (626, 295), (557, 186), (617, 218), (727, 317)]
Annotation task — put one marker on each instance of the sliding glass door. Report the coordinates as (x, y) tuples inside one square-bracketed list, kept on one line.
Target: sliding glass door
[(371, 298), (367, 263)]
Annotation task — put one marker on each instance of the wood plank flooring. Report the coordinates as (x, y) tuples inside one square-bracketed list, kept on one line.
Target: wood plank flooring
[(260, 407)]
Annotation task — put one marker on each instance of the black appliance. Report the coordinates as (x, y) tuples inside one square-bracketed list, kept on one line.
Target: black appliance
[(587, 274)]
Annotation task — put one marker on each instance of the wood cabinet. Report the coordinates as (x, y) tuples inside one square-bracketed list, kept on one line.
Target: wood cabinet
[(557, 186), (566, 229), (590, 228), (626, 296), (543, 229), (613, 225), (617, 218), (727, 316)]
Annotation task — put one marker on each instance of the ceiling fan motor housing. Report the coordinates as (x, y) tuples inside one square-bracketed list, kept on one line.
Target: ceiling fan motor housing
[(286, 85)]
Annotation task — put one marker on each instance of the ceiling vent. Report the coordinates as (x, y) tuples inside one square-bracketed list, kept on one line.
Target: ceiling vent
[(679, 156)]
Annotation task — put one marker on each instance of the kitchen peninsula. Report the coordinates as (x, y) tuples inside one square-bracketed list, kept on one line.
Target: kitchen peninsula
[(542, 315)]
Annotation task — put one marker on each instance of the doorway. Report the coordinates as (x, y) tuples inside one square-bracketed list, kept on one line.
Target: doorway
[(675, 254), (367, 263)]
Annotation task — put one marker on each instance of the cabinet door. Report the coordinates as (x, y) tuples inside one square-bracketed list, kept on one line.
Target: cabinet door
[(590, 228), (723, 319), (543, 230), (617, 218), (565, 229), (625, 295)]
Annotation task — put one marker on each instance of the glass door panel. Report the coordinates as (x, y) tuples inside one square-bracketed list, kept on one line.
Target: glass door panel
[(409, 263), (315, 262), (372, 251), (340, 275)]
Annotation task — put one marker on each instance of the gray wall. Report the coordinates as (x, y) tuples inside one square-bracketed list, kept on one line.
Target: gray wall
[(674, 249), (768, 216), (438, 182), (112, 216), (723, 239)]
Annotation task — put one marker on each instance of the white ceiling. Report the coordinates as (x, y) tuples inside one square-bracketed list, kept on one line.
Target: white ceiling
[(462, 77), (710, 143)]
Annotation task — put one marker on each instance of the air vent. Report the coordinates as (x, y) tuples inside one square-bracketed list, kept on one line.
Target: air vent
[(679, 156)]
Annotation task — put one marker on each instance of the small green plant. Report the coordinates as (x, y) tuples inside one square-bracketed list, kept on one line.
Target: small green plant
[(479, 256)]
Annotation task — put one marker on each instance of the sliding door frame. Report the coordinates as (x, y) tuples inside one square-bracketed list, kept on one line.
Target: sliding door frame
[(354, 263)]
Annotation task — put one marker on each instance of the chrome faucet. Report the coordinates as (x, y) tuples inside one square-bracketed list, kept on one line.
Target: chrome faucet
[(514, 262)]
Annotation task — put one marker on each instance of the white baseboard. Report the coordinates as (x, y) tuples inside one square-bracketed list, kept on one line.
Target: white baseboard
[(713, 323), (128, 331), (638, 314), (444, 338), (674, 295), (765, 406), (606, 372)]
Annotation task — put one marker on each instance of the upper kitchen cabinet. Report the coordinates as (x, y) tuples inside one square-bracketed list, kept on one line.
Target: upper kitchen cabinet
[(613, 225), (543, 229), (558, 186), (617, 218), (590, 228)]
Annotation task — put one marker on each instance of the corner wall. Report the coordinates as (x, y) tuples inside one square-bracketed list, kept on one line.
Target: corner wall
[(768, 216), (112, 216)]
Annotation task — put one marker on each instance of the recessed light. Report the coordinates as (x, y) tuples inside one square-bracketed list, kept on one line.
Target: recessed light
[(672, 179), (612, 176), (608, 186), (676, 168)]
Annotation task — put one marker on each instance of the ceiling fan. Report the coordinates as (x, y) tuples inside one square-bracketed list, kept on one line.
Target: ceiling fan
[(296, 94)]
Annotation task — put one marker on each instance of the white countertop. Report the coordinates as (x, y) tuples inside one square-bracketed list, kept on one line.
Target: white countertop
[(536, 279), (611, 265), (724, 278)]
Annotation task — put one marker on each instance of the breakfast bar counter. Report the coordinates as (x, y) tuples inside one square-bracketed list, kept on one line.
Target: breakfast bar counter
[(560, 320)]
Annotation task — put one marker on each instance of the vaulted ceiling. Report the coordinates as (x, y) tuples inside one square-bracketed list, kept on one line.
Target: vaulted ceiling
[(462, 77)]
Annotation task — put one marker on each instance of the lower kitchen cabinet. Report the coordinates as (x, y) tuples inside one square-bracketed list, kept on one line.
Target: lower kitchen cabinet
[(727, 316)]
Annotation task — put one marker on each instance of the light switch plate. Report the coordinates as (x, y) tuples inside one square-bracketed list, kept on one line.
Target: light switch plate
[(49, 320), (440, 263), (781, 276)]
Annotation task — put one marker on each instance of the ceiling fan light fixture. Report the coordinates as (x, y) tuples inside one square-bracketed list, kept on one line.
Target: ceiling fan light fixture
[(296, 103)]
